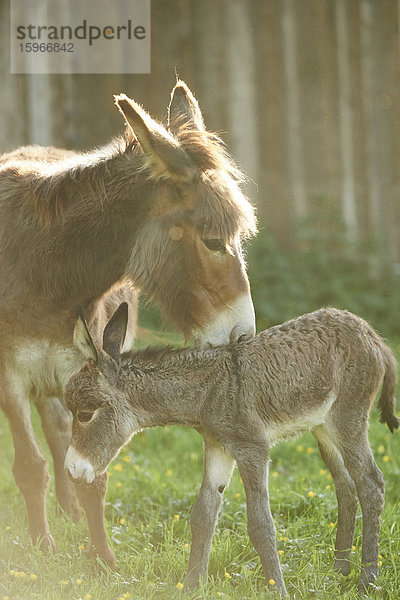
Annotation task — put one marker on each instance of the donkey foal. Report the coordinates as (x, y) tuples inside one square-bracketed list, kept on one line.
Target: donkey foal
[(319, 372)]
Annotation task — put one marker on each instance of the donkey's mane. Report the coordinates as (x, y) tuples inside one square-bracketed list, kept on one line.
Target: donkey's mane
[(55, 179), (149, 358)]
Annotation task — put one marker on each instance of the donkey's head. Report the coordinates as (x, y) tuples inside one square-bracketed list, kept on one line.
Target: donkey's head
[(187, 256), (103, 420)]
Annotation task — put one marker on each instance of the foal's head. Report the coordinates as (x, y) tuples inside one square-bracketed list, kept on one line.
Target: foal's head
[(187, 256), (103, 419)]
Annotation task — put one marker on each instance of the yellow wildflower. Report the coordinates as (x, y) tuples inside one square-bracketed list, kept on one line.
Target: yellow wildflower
[(176, 518), (118, 467), (169, 472), (88, 597), (328, 487), (228, 575), (385, 458), (78, 581), (310, 450), (311, 494), (280, 552), (237, 495), (179, 585), (81, 546), (8, 528), (127, 459), (271, 582), (299, 448), (185, 546), (118, 484), (122, 521), (127, 595), (381, 449), (331, 525), (33, 576), (275, 474)]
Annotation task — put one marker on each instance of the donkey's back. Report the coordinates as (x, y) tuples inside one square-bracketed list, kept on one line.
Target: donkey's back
[(328, 361)]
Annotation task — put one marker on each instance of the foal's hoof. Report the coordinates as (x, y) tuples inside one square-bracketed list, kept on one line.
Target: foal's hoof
[(342, 566), (367, 582)]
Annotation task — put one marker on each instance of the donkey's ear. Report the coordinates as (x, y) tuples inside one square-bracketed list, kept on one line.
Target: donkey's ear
[(115, 331), (165, 157), (83, 340), (184, 109)]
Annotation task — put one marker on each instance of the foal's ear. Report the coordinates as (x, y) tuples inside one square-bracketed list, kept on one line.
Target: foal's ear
[(184, 109), (83, 340), (165, 157), (115, 331)]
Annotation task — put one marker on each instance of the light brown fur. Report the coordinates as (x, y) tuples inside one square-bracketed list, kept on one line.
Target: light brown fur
[(79, 231)]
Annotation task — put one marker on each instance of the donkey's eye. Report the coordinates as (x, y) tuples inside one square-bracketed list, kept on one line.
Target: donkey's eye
[(214, 245), (84, 416)]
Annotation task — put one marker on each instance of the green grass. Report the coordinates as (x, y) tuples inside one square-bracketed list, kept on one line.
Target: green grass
[(152, 487)]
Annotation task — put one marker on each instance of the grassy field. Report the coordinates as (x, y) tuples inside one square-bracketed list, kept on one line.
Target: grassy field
[(153, 485)]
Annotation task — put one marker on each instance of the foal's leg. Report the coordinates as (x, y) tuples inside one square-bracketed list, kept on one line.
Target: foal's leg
[(346, 495), (253, 467), (56, 424), (218, 468), (30, 468), (92, 498), (360, 463)]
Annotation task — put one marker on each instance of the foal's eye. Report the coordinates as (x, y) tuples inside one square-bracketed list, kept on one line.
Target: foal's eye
[(215, 245), (84, 416)]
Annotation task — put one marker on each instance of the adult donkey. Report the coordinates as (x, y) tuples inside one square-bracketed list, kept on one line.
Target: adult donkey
[(155, 210)]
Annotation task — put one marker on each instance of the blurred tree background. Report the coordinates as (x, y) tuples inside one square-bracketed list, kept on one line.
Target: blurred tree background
[(306, 93)]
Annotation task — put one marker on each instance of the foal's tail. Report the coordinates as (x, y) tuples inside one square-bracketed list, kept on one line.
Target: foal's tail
[(387, 399)]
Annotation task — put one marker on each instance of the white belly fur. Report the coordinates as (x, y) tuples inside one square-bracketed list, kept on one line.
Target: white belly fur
[(305, 422)]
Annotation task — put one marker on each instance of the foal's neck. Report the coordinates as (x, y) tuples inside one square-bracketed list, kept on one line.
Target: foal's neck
[(173, 388)]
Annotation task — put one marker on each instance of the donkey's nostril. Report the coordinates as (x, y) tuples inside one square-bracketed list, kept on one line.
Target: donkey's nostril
[(238, 334)]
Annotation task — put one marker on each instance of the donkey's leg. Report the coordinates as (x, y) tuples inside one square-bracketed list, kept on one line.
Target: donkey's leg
[(92, 498), (218, 468), (358, 458), (346, 495), (253, 467), (30, 468), (56, 424)]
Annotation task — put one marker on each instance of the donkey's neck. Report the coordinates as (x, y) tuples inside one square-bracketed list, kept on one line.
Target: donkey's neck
[(174, 390)]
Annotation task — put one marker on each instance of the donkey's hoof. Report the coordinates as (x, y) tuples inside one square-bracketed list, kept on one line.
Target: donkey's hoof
[(67, 499), (47, 544), (105, 560), (70, 506)]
